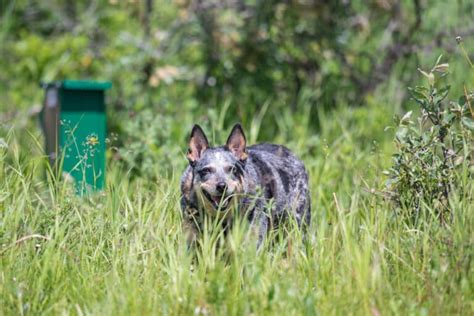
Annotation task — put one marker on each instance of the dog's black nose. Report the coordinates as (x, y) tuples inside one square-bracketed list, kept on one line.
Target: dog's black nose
[(220, 187)]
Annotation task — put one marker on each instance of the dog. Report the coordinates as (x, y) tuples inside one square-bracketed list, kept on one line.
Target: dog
[(265, 183)]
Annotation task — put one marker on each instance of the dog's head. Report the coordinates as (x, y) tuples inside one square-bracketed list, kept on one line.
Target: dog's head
[(218, 171)]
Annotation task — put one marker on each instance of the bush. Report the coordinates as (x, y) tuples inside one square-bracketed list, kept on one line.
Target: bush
[(432, 149)]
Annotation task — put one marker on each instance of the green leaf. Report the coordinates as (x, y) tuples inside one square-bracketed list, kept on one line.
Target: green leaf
[(438, 60), (449, 117), (406, 118), (468, 123), (443, 92), (402, 133), (424, 73), (418, 95), (462, 100)]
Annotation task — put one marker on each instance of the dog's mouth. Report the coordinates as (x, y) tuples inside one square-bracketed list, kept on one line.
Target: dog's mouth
[(218, 201)]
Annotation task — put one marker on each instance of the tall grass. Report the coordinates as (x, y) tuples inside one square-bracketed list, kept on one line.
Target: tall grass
[(123, 251)]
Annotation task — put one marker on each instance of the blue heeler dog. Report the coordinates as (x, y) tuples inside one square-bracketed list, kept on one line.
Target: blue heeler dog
[(264, 182)]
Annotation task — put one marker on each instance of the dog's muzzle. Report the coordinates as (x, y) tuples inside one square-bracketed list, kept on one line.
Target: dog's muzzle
[(219, 202)]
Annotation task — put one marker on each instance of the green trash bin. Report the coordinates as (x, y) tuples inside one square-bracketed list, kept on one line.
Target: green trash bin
[(74, 123)]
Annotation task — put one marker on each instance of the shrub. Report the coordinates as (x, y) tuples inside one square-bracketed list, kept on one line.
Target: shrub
[(433, 148)]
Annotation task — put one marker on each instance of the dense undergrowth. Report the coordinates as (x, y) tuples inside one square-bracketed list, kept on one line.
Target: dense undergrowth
[(122, 251), (392, 228)]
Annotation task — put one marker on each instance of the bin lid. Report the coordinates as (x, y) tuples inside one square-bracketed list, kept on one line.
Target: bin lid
[(79, 85)]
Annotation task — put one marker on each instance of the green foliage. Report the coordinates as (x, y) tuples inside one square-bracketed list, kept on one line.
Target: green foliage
[(123, 251), (433, 151), (186, 56), (322, 77), (150, 142)]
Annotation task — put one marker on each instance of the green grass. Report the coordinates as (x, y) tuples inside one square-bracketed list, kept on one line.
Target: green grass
[(123, 251)]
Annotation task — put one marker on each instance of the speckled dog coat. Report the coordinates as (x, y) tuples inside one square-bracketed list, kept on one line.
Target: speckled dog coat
[(266, 183)]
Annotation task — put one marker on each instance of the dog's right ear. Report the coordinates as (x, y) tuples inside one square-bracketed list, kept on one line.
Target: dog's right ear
[(197, 144)]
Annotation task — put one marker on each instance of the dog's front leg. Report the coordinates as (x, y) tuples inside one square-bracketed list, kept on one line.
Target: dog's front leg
[(190, 224), (259, 226), (191, 232)]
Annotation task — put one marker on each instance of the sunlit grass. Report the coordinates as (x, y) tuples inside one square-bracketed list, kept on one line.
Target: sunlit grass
[(123, 251)]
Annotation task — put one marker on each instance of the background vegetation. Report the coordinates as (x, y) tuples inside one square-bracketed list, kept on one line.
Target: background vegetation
[(325, 78)]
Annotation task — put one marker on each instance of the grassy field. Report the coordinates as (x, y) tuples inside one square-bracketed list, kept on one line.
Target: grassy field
[(123, 252)]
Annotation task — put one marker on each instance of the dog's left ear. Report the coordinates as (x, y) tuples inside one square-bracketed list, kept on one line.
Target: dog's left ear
[(236, 143)]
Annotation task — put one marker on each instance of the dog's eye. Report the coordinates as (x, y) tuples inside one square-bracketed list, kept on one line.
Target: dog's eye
[(234, 170), (204, 172)]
